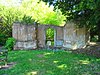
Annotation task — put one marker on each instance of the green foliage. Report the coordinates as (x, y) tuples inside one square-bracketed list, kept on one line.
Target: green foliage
[(42, 12), (2, 39), (27, 20), (8, 15), (10, 43), (50, 34), (87, 12), (94, 39)]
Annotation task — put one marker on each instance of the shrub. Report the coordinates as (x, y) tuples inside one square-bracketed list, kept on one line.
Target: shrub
[(27, 20), (2, 39), (10, 43)]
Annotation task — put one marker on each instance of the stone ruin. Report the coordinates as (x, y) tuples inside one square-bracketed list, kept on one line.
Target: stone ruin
[(34, 36)]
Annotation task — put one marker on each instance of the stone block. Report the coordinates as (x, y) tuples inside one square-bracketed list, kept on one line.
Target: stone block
[(26, 45), (15, 31), (59, 33), (30, 45), (59, 43), (22, 33), (31, 33)]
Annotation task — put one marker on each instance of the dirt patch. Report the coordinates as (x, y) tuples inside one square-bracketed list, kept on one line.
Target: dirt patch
[(40, 55), (9, 65), (92, 49)]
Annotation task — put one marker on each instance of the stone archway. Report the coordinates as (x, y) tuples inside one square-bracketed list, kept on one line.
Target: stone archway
[(42, 35)]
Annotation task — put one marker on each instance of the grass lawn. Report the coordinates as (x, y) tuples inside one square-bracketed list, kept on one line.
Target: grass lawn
[(45, 62)]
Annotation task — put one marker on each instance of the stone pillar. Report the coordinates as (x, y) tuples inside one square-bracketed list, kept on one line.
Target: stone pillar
[(15, 33), (59, 36), (41, 36)]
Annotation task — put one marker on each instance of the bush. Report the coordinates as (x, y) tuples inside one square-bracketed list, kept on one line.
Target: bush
[(10, 43), (2, 39), (27, 20), (94, 38)]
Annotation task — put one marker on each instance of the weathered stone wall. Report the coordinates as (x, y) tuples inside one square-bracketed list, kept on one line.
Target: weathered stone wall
[(34, 36), (74, 37), (80, 38), (25, 36)]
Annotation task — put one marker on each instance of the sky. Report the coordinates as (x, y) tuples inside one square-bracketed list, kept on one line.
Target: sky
[(15, 3), (10, 2)]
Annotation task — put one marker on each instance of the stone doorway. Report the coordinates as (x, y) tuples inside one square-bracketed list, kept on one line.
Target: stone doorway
[(50, 37)]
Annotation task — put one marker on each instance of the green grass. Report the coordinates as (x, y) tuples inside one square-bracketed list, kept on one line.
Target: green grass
[(45, 62)]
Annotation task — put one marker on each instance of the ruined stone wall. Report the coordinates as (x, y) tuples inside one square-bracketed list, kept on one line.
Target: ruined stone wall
[(34, 36), (25, 36)]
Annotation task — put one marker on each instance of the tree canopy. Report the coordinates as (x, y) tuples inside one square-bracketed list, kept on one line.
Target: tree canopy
[(87, 12), (42, 12)]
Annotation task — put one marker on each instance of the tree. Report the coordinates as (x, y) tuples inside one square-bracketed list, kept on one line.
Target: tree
[(42, 12), (86, 11), (28, 12), (8, 15)]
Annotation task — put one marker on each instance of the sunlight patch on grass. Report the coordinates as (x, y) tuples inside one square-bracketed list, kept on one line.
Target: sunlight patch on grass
[(98, 60), (50, 72), (84, 61), (32, 73), (48, 53), (63, 66), (30, 59), (55, 61)]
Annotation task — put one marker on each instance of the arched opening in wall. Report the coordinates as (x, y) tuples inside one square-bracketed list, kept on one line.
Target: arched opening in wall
[(50, 37)]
